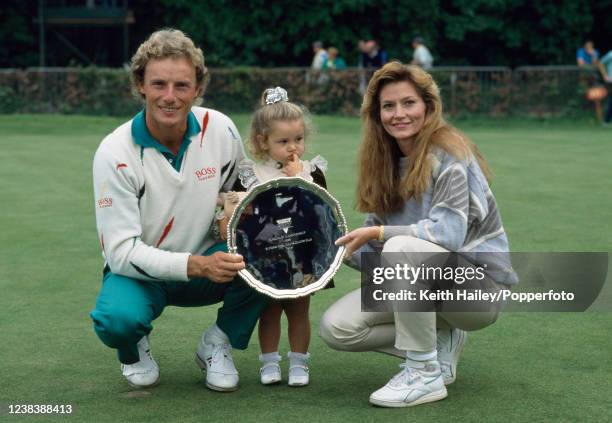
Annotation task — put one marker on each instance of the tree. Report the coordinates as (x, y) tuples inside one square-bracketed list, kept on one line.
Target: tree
[(280, 33)]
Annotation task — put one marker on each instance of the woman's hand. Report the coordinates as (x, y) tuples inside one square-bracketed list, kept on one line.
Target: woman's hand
[(357, 238)]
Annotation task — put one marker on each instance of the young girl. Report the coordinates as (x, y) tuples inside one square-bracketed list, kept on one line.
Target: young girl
[(278, 132)]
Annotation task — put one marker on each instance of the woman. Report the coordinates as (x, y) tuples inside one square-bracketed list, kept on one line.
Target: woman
[(424, 186)]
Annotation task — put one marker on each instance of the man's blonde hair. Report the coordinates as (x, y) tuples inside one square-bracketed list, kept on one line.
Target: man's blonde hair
[(168, 43)]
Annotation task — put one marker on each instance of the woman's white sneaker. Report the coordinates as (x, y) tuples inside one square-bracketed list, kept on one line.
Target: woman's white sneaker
[(450, 343), (144, 373), (417, 383)]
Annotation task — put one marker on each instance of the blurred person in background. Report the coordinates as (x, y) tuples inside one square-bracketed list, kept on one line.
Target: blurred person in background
[(605, 68), (587, 54), (421, 56), (587, 57), (333, 61), (372, 55), (320, 55)]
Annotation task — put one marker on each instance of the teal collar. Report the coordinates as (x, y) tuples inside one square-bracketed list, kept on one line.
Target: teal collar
[(143, 137)]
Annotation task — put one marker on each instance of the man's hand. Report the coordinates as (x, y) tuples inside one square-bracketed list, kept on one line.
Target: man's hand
[(219, 267), (355, 239), (293, 167)]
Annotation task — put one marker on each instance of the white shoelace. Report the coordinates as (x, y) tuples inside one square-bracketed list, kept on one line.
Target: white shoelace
[(404, 377), (222, 352), (446, 338), (446, 367), (440, 340)]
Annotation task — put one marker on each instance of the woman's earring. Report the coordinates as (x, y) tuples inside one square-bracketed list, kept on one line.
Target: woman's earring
[(279, 165)]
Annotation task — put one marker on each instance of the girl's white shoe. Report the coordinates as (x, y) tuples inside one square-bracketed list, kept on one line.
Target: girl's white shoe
[(298, 369), (270, 372)]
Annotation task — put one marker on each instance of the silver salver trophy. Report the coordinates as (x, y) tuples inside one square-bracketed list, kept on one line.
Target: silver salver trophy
[(286, 230)]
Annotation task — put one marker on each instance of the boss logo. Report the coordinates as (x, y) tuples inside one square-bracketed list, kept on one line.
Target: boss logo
[(105, 202), (206, 173)]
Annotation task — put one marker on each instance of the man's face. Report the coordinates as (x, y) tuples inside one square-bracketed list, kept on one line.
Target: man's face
[(169, 89)]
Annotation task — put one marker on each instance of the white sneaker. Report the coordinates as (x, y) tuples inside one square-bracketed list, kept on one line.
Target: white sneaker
[(144, 373), (214, 357), (298, 369), (449, 344), (417, 383), (270, 372)]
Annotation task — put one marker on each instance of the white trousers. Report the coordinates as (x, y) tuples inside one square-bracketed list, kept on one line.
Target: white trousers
[(345, 327)]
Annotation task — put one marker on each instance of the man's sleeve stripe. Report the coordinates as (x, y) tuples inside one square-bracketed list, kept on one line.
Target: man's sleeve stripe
[(142, 272)]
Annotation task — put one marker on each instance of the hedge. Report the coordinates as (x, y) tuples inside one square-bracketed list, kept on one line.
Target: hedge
[(498, 91)]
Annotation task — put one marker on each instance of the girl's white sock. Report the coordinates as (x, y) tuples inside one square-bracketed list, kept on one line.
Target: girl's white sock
[(272, 357), (298, 358)]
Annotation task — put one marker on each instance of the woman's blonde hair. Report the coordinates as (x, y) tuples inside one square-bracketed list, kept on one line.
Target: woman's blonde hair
[(168, 43), (379, 189), (265, 116)]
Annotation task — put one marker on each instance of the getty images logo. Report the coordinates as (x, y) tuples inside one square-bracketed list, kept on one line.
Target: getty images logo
[(206, 173)]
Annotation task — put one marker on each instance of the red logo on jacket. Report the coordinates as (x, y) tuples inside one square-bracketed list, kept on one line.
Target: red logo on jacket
[(105, 202), (206, 173)]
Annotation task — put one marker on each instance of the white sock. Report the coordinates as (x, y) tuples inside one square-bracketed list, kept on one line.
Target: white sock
[(298, 358), (422, 355), (214, 333), (272, 357)]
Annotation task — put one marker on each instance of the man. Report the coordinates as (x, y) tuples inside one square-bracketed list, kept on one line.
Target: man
[(372, 55), (421, 55), (156, 181), (319, 57), (605, 67), (587, 54)]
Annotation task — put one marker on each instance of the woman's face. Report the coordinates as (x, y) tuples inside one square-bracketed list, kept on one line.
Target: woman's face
[(402, 112)]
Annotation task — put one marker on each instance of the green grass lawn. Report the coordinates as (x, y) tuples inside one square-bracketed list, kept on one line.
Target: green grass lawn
[(553, 184)]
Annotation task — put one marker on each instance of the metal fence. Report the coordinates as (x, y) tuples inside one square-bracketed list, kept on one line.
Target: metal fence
[(552, 90), (475, 90), (482, 91)]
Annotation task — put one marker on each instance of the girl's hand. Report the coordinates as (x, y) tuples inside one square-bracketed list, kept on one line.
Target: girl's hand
[(354, 240), (293, 167), (232, 199), (221, 199)]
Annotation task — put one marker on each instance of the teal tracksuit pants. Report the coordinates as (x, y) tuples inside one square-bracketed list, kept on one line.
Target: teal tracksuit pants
[(126, 308)]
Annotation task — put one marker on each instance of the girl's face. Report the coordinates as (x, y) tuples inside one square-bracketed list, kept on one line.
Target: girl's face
[(402, 112), (285, 139)]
